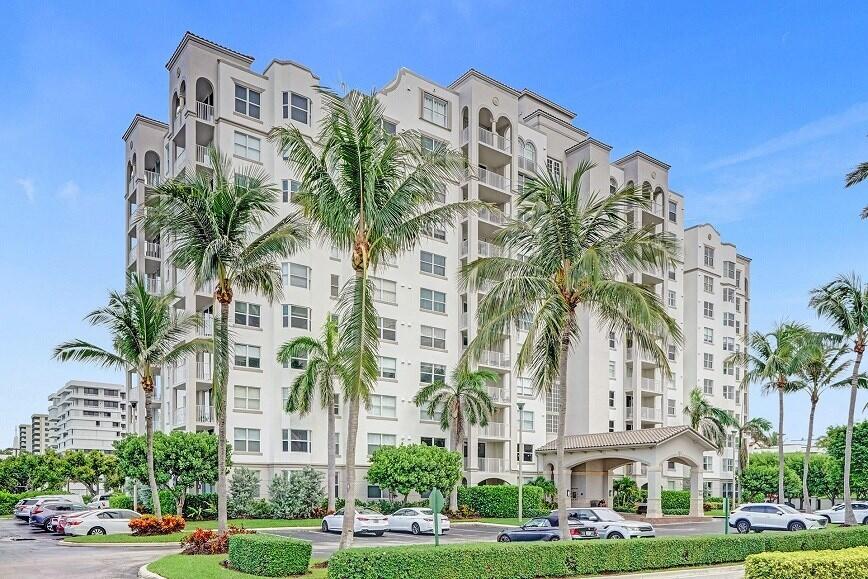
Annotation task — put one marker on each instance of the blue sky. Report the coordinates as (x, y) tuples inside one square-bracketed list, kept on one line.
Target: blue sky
[(759, 108)]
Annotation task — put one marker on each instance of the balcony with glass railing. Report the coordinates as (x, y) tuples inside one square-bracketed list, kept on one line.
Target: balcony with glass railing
[(180, 418), (152, 283), (498, 394), (494, 180), (493, 430), (651, 385), (204, 414), (494, 140), (494, 359), (491, 464), (494, 216), (488, 249), (203, 370)]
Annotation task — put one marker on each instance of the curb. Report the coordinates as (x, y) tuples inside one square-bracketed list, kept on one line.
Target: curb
[(145, 574), (719, 572), (134, 545)]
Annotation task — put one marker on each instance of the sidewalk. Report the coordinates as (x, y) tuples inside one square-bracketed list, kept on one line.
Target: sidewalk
[(720, 572)]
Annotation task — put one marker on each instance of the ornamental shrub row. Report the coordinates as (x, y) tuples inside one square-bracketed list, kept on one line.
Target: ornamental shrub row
[(843, 564), (675, 502), (502, 500), (9, 500), (269, 555), (565, 559)]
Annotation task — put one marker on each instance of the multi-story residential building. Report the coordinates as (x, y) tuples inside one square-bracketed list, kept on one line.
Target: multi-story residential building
[(24, 437), (507, 135), (38, 433), (87, 415)]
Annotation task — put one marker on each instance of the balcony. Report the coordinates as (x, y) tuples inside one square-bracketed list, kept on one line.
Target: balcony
[(177, 120), (651, 414), (177, 374), (180, 418), (462, 319), (152, 284), (525, 164), (494, 359), (493, 180), (206, 328), (152, 249), (133, 254), (651, 385), (205, 414), (152, 179), (202, 156), (491, 464), (498, 394), (492, 216), (205, 112), (493, 430), (494, 140), (488, 249), (203, 371), (465, 247)]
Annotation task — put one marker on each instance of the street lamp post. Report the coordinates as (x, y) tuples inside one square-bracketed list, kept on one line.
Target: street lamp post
[(520, 457)]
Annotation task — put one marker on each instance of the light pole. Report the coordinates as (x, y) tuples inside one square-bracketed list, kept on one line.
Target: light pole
[(520, 457)]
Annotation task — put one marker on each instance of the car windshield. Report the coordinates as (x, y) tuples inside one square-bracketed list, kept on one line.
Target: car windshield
[(425, 511), (29, 502), (787, 509), (608, 515), (366, 512)]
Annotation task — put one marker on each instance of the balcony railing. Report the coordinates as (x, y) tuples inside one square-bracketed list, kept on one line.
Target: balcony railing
[(494, 179), (464, 247), (177, 119), (655, 208), (498, 394), (204, 414), (177, 374), (152, 249), (492, 358), (491, 216), (202, 156), (152, 179), (495, 429), (462, 319), (152, 284), (491, 464), (652, 414), (494, 140), (180, 418), (526, 164), (205, 111), (487, 249), (203, 370), (206, 328), (131, 256), (651, 385)]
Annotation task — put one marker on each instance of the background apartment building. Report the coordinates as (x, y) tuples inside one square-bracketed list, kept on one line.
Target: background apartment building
[(87, 416), (38, 433), (507, 135), (23, 444)]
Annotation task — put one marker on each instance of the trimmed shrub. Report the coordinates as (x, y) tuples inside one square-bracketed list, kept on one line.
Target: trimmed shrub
[(675, 502), (200, 507), (502, 500), (269, 555), (121, 501), (210, 542), (569, 558), (151, 525), (9, 500), (843, 564)]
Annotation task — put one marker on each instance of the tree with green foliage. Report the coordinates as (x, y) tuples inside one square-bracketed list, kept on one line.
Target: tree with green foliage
[(836, 445), (226, 234), (856, 176), (625, 493), (708, 420), (757, 428), (414, 467), (458, 405), (89, 468), (298, 495), (243, 490), (373, 195), (32, 472), (760, 478), (570, 255), (550, 491), (147, 333)]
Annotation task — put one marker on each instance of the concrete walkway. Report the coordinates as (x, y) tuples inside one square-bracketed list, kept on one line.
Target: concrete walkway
[(721, 572)]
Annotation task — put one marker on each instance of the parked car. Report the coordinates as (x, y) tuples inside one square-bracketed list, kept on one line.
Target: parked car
[(22, 508), (608, 523), (760, 517), (99, 502), (416, 520), (41, 514), (367, 521), (541, 529), (63, 520), (836, 513), (101, 522)]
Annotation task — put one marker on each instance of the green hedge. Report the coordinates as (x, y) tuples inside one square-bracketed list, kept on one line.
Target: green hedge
[(502, 500), (844, 564), (675, 502), (569, 558), (122, 501), (269, 555), (9, 500)]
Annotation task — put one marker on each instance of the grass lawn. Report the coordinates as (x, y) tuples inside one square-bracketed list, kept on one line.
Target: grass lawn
[(494, 520), (171, 538), (208, 567), (715, 513)]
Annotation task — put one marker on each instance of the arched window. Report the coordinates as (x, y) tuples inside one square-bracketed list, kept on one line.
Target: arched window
[(529, 152)]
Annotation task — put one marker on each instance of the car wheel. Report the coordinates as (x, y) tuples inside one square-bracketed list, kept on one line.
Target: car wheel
[(796, 526), (415, 529), (742, 526), (615, 535), (554, 538), (379, 533), (503, 539), (325, 527), (829, 519), (96, 531), (865, 521)]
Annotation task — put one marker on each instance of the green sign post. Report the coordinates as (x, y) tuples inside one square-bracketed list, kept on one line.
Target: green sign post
[(435, 501), (725, 515)]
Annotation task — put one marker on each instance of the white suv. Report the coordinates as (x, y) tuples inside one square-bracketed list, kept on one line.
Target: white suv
[(836, 513), (760, 517)]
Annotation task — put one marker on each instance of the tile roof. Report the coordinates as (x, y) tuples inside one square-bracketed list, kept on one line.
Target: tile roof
[(628, 438)]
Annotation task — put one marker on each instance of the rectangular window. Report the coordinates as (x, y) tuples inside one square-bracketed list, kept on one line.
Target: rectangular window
[(708, 387), (524, 454), (432, 263), (737, 304), (611, 399), (388, 329), (289, 187), (524, 386), (247, 356), (246, 440), (553, 406), (727, 465), (296, 107), (247, 398), (247, 314), (729, 319), (554, 167), (247, 146), (432, 301), (390, 128), (729, 269), (383, 406), (247, 101), (708, 256), (611, 426), (672, 352), (729, 294), (728, 344), (298, 362), (388, 367), (299, 440), (385, 290), (708, 310), (708, 335), (437, 233), (430, 373), (729, 391), (433, 441), (707, 463), (335, 286), (671, 275), (296, 317), (435, 110), (295, 275), (670, 407), (525, 420), (612, 370), (377, 440), (708, 361), (430, 144), (671, 299), (673, 211), (433, 338), (91, 391), (611, 340), (708, 284)]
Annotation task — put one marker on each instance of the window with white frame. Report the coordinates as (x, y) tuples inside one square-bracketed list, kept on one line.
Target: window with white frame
[(707, 463), (524, 454), (728, 368), (435, 110), (673, 211), (727, 464), (388, 367), (738, 304), (296, 317), (296, 107), (612, 341), (289, 187), (708, 335), (433, 441), (671, 274), (296, 440), (432, 263), (430, 373), (729, 319), (553, 407), (390, 127), (728, 344), (383, 406), (247, 356), (708, 256), (708, 284), (247, 314), (295, 275), (524, 386), (388, 329), (524, 321), (284, 396), (611, 398), (729, 294), (433, 337), (246, 440), (729, 269), (247, 101), (672, 352), (611, 426), (385, 290), (247, 398), (670, 407), (612, 370), (708, 386), (297, 362), (729, 391), (525, 420), (247, 146), (377, 440), (708, 309), (554, 167), (431, 144), (671, 299), (432, 301), (334, 285), (708, 361), (437, 233)]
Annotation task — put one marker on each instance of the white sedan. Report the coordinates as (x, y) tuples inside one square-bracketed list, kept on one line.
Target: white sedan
[(836, 513), (367, 521), (416, 520), (102, 522)]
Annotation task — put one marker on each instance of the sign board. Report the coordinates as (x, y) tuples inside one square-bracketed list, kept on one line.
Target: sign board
[(435, 501)]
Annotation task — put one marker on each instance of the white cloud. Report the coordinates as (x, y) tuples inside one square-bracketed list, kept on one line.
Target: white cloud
[(69, 191), (26, 184)]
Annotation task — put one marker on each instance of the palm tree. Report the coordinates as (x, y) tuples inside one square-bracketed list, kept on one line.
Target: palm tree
[(462, 403), (844, 302), (821, 361), (772, 359), (145, 336), (572, 252), (757, 429), (326, 371), (214, 221), (373, 195), (708, 420), (857, 175)]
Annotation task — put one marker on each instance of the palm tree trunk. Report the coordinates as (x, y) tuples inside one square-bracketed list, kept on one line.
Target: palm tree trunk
[(457, 446), (563, 479), (350, 485), (849, 515), (149, 433), (221, 356), (805, 494), (330, 467), (780, 444), (179, 510)]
